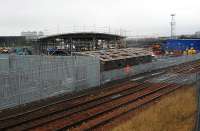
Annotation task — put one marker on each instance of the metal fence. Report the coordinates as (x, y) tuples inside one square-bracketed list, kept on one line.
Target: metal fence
[(33, 78), (25, 79), (117, 74), (4, 63)]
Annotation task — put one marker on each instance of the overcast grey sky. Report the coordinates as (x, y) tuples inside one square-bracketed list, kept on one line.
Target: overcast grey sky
[(141, 17)]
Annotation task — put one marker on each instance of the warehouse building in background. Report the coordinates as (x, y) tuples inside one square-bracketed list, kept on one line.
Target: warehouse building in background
[(12, 41), (32, 35), (197, 34), (181, 44)]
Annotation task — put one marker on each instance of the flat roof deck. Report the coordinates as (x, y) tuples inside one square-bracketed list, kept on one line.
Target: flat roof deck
[(116, 54)]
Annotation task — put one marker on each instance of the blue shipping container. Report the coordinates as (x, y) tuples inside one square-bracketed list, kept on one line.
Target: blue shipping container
[(181, 44)]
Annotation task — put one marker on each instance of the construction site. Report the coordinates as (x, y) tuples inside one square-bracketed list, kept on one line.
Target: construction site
[(99, 81)]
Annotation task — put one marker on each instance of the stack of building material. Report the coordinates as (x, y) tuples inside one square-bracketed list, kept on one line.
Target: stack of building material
[(120, 58)]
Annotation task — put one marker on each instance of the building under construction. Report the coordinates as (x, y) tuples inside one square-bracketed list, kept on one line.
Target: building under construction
[(78, 42)]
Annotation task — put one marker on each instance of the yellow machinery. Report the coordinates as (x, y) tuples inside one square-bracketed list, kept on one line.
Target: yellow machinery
[(191, 51), (185, 52)]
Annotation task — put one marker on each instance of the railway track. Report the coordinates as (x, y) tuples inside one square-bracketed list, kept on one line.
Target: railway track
[(75, 111), (105, 118), (130, 106), (15, 120)]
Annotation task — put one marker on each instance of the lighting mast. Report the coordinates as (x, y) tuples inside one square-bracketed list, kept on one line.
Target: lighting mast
[(173, 26)]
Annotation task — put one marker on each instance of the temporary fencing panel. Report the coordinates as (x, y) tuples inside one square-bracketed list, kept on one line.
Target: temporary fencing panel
[(33, 78), (4, 63), (25, 79), (117, 74)]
